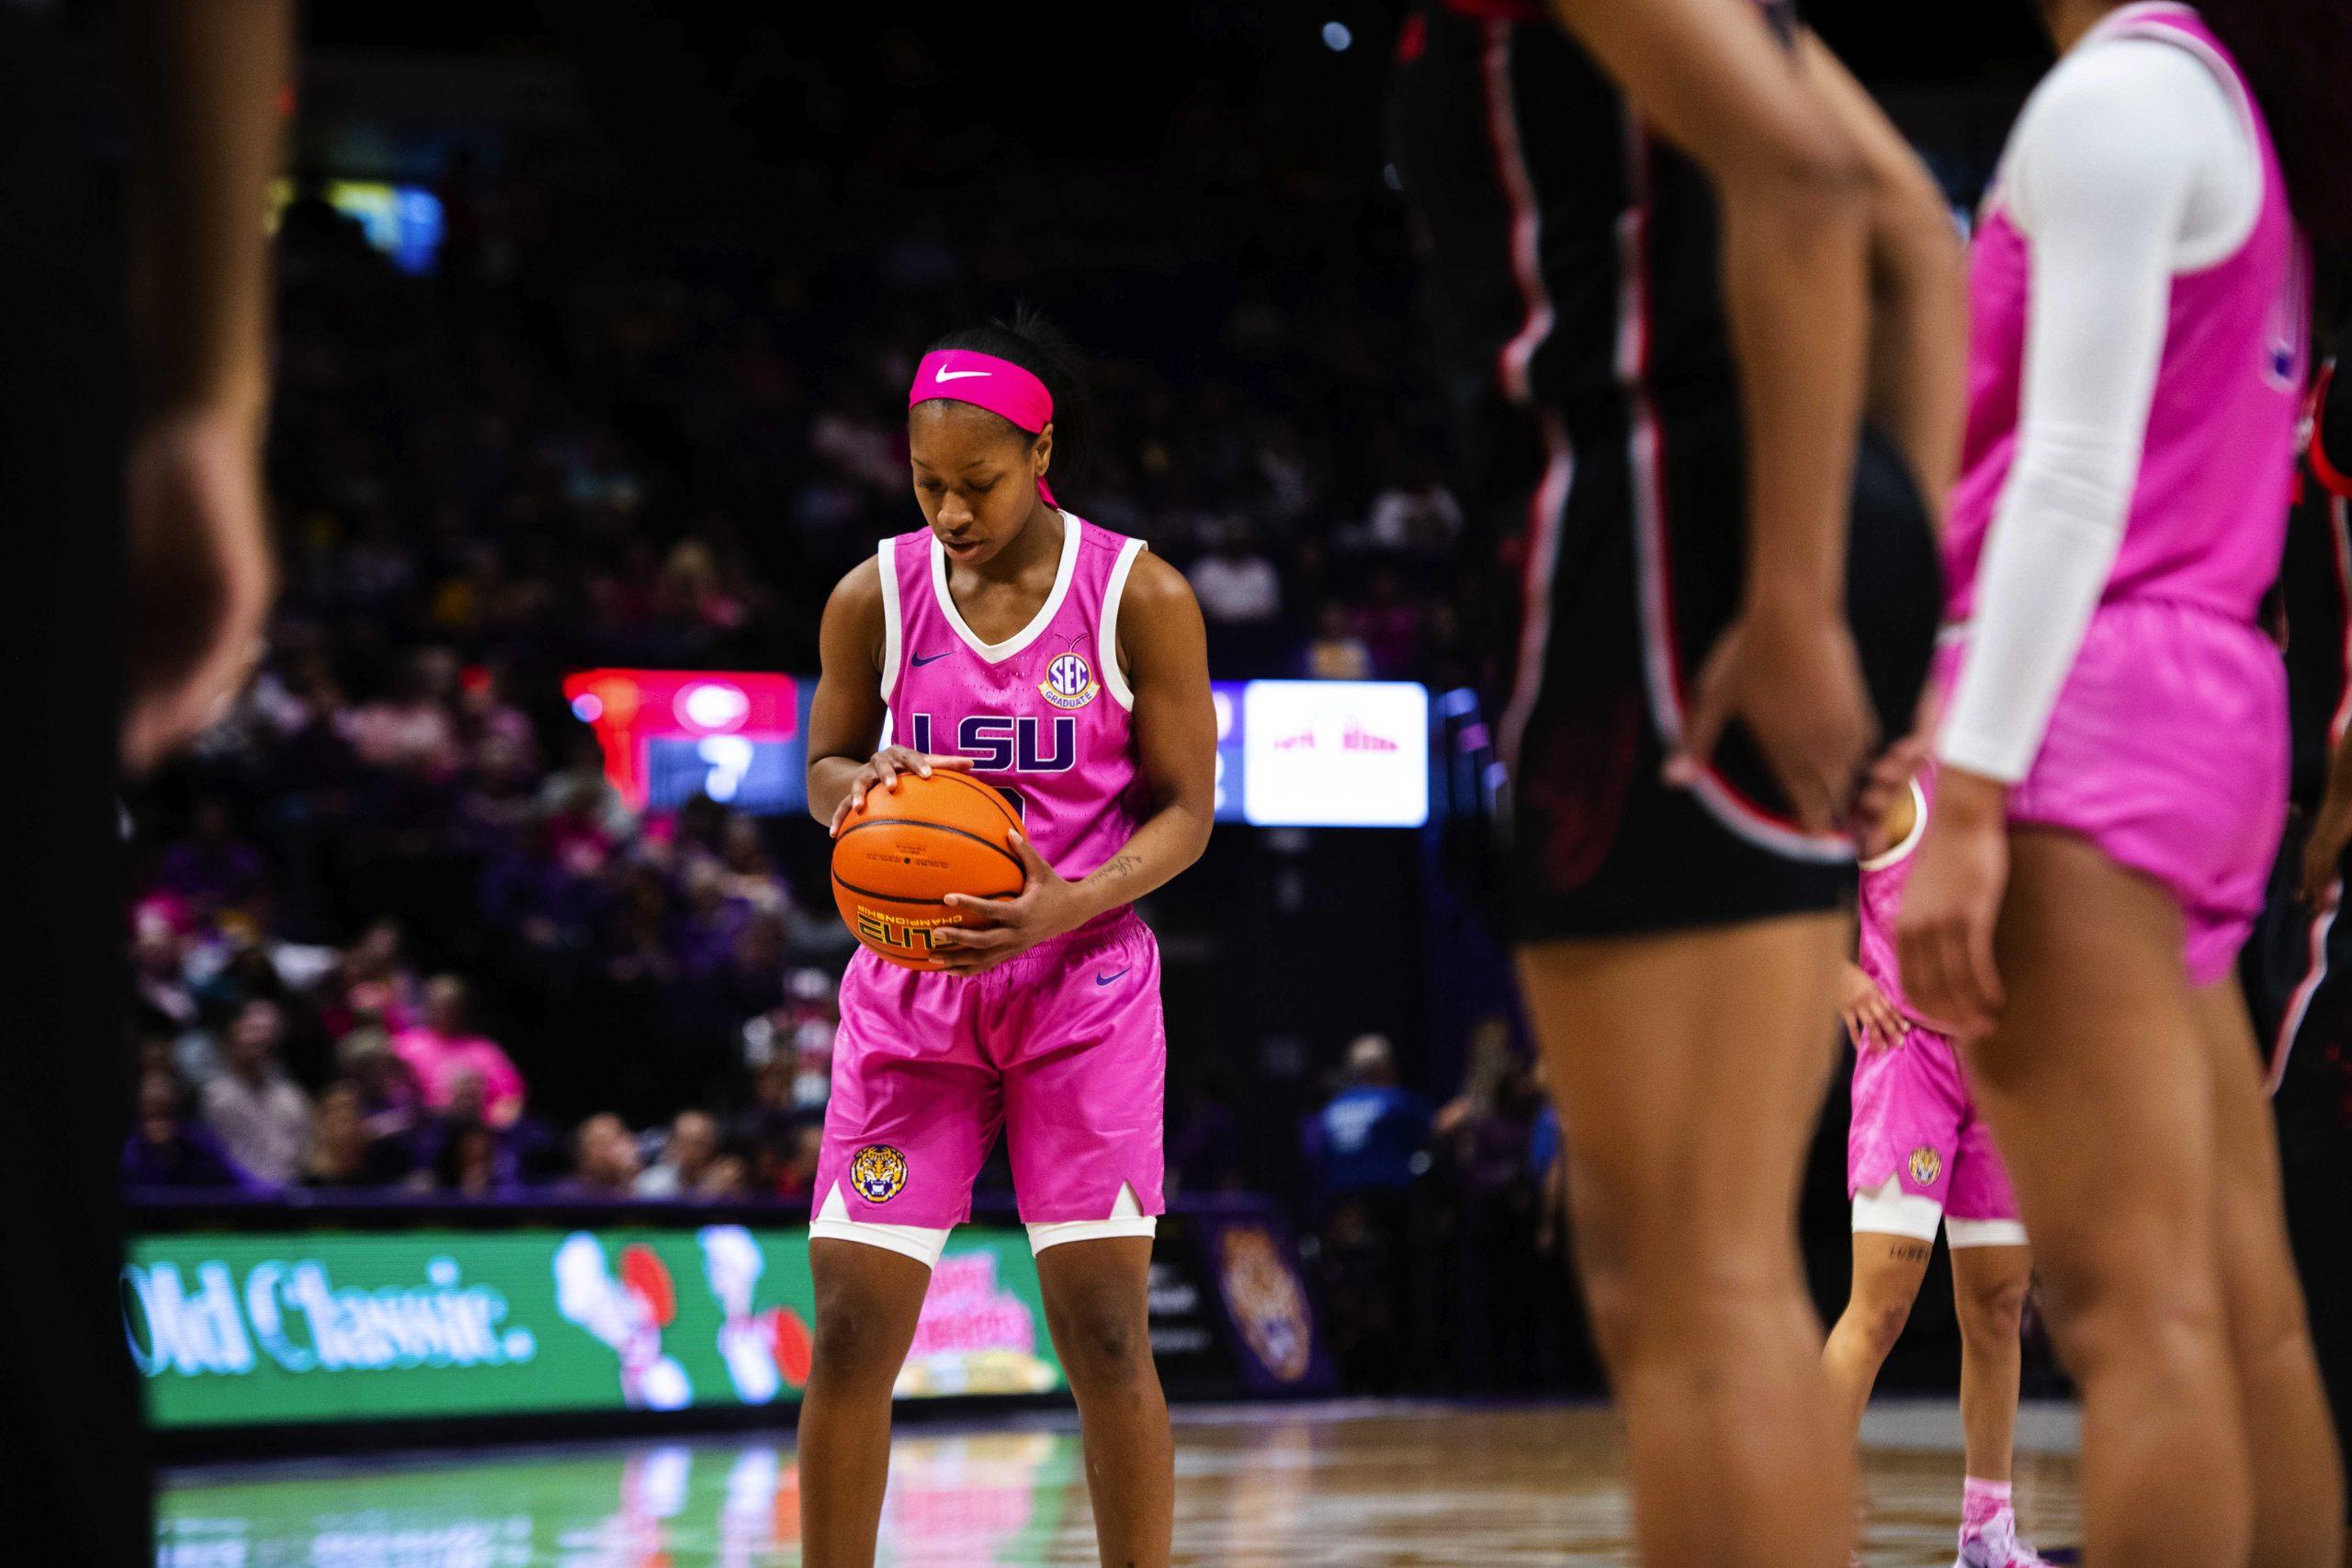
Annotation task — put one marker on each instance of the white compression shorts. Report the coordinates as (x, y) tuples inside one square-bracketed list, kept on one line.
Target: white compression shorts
[(1887, 1210), (925, 1242)]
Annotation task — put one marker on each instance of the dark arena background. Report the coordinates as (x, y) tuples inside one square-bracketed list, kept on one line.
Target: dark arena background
[(593, 327)]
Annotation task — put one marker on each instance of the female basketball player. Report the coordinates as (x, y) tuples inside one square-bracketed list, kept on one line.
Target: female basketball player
[(1062, 664), (2114, 756), (1917, 1157), (1665, 247)]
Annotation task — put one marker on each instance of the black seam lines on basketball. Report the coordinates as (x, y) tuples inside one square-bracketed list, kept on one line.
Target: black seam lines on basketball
[(892, 898), (995, 795), (936, 827)]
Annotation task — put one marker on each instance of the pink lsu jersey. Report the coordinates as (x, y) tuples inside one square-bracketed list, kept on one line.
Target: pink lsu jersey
[(1884, 876), (1044, 714), (2207, 516)]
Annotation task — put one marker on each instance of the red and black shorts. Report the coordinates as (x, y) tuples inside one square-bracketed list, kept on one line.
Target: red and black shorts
[(1628, 567), (1573, 282)]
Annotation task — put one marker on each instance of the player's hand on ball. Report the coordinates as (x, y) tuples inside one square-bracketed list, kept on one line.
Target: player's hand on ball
[(1871, 1022), (882, 773), (1045, 907), (1791, 676), (1944, 935)]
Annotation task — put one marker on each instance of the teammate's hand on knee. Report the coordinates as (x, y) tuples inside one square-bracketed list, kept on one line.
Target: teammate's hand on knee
[(1791, 677), (1047, 906), (1944, 935), (882, 773)]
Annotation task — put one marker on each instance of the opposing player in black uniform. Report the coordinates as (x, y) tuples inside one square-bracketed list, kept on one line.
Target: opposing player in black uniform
[(2296, 967), (1675, 255), (130, 421)]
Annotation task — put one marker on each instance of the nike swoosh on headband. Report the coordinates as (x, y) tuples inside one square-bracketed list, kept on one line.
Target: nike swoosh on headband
[(943, 373)]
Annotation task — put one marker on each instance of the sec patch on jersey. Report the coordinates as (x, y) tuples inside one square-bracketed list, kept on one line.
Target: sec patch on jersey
[(1070, 681)]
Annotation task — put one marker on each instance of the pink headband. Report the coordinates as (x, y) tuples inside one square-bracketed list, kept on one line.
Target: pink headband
[(985, 381)]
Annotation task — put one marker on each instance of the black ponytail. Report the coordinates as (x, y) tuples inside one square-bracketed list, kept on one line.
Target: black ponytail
[(1044, 350), (2297, 56)]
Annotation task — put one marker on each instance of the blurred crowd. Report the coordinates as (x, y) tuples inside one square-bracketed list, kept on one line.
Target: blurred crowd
[(396, 930), (1440, 1231)]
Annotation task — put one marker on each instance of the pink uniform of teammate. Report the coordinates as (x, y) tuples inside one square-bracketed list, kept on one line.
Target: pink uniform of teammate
[(1917, 1152), (2113, 757), (1064, 665), (1919, 1157), (1066, 1038)]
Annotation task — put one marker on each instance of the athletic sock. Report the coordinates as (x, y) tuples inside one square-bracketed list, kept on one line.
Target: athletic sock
[(1982, 1502)]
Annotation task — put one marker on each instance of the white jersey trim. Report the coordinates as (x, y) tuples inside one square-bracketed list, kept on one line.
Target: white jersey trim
[(2299, 1003), (998, 652), (1526, 218), (1106, 633), (886, 558)]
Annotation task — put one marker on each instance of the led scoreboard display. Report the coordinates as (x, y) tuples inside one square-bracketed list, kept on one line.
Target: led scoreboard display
[(1289, 753), (670, 735), (1333, 754)]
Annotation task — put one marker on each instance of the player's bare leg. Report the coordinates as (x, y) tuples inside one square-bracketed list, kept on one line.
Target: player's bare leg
[(1887, 1273), (2298, 1476), (868, 1298), (1097, 1305), (1688, 1070), (1988, 1290), (2096, 1081)]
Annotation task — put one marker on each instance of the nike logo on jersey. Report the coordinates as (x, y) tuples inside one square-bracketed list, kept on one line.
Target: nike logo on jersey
[(1107, 979), (943, 373), (922, 658)]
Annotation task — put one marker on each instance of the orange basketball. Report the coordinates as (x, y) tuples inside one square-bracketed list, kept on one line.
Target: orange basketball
[(903, 850)]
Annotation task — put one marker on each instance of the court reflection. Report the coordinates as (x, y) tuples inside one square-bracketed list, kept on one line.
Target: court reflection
[(1260, 1488)]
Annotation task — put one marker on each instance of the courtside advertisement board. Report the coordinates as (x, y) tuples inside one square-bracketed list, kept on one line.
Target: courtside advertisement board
[(246, 1329)]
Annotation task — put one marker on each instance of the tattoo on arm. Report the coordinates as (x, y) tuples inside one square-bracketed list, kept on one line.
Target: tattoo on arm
[(1114, 868), (1913, 1252)]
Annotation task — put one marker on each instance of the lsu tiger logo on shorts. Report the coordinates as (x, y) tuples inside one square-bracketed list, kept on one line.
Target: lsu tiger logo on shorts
[(1926, 1165), (877, 1172)]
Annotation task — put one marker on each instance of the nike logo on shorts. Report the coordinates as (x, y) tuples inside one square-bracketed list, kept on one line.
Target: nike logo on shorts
[(943, 373), (922, 658), (1107, 979)]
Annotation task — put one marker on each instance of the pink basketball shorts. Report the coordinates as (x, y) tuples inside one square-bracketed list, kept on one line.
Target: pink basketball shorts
[(1063, 1049), (2168, 751)]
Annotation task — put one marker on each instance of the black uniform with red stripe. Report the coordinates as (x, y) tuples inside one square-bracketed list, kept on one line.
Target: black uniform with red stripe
[(1573, 274), (69, 1398), (2297, 966)]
